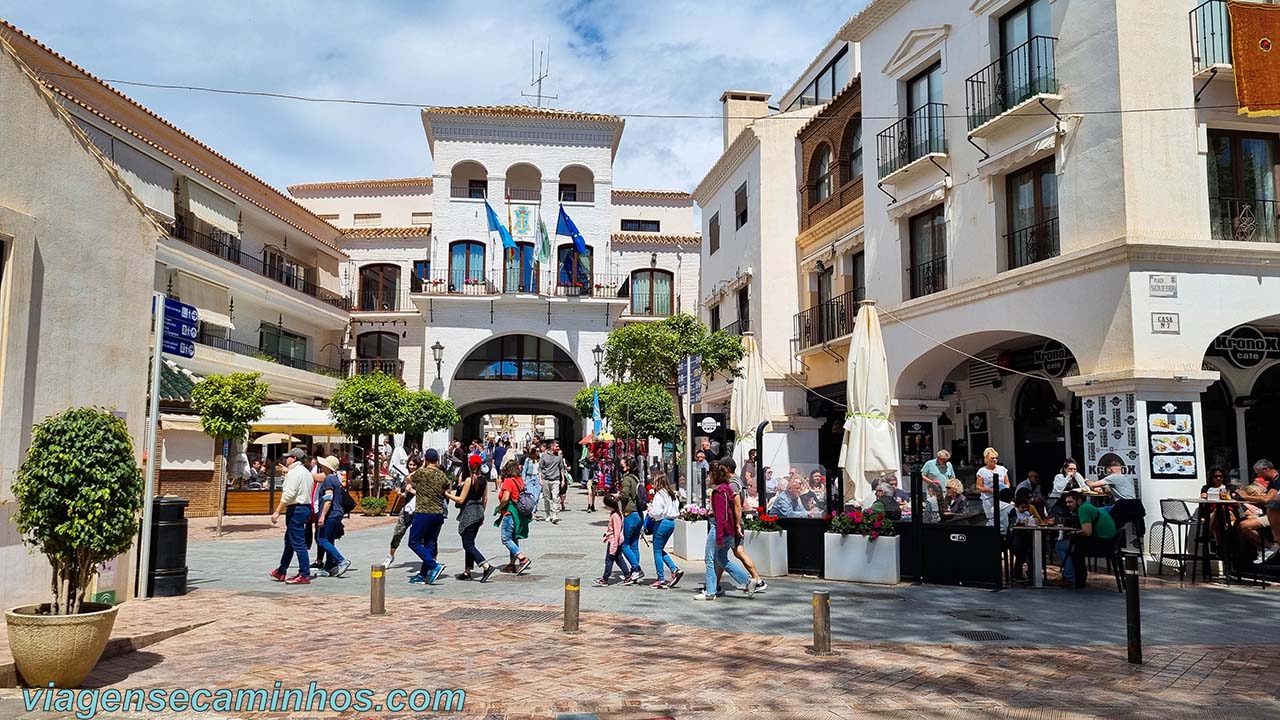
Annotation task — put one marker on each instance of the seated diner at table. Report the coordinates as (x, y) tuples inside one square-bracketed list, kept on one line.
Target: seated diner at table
[(955, 501), (1126, 508), (886, 503), (788, 504), (1096, 538), (1255, 529)]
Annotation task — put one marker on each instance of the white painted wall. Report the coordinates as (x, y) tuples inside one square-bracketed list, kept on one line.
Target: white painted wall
[(396, 205), (675, 216)]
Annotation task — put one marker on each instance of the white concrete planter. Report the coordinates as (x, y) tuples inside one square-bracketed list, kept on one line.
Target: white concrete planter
[(689, 541), (768, 550), (858, 559)]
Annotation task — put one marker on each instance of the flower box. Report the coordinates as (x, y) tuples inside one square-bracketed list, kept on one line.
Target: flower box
[(768, 550), (857, 558), (689, 541)]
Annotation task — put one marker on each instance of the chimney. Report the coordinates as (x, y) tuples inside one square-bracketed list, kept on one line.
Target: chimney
[(740, 108)]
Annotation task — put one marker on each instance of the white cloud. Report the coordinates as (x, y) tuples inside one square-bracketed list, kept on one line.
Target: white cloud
[(659, 57)]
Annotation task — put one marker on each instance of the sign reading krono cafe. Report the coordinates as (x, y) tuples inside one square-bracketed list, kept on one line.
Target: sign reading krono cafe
[(1246, 346)]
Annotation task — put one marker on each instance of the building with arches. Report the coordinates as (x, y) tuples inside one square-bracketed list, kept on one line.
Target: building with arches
[(514, 332)]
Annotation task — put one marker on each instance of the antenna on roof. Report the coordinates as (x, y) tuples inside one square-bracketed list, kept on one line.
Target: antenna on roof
[(540, 69)]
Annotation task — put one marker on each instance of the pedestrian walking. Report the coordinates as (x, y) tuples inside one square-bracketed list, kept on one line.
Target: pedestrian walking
[(663, 511), (530, 473), (329, 522), (589, 471), (430, 484), (739, 512), (721, 531), (295, 505), (471, 500), (551, 470), (405, 520), (613, 544), (629, 490), (513, 523)]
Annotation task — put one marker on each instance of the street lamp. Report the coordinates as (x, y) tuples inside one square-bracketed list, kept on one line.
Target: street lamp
[(598, 353), (437, 352)]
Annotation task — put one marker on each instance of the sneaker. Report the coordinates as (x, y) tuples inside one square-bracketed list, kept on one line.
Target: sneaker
[(484, 577), (703, 589), (434, 574), (752, 585), (298, 580), (277, 575), (761, 585), (1262, 557), (704, 596), (342, 568), (387, 563), (632, 579), (659, 585), (417, 580), (524, 566), (319, 574), (1270, 552), (600, 582), (508, 568), (675, 578), (463, 576)]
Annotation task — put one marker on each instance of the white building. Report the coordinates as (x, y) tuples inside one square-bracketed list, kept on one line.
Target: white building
[(1070, 196), (514, 336)]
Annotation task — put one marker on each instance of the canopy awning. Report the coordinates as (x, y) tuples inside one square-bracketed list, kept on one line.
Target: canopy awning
[(211, 207), (212, 300), (295, 418)]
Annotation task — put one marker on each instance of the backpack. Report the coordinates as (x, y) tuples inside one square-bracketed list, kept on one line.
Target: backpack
[(642, 497), (524, 503)]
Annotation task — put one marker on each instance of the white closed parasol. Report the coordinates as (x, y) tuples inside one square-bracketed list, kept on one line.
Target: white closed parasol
[(870, 448), (748, 399)]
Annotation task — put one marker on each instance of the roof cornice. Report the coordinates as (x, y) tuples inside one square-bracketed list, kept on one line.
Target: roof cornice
[(389, 183), (729, 161), (368, 233), (639, 238)]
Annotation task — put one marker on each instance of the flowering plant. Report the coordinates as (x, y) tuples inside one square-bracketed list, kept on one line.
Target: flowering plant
[(762, 522), (871, 523), (694, 513)]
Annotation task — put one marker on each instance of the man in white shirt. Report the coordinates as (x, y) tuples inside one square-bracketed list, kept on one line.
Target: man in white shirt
[(295, 504)]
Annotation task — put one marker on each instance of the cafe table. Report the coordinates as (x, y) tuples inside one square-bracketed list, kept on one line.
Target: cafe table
[(1205, 524), (1037, 547)]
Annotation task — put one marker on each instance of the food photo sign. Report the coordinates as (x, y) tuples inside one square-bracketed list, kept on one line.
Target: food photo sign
[(1171, 432)]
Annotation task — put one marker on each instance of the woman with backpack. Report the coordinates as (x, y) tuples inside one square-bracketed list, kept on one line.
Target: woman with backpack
[(512, 519), (331, 497), (634, 500), (722, 529), (471, 499)]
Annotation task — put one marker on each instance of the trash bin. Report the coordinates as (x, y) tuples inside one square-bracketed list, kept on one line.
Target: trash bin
[(168, 547)]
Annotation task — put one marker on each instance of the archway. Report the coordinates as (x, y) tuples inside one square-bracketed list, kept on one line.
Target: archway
[(1038, 430), (1262, 419), (1220, 437)]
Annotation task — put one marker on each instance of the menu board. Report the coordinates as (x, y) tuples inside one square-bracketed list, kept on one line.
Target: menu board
[(1171, 433), (917, 448)]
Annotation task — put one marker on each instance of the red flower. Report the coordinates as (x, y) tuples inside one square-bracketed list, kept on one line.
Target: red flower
[(827, 517), (875, 535), (760, 509), (876, 524)]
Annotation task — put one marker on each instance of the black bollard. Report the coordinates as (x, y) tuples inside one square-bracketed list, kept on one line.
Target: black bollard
[(1133, 615)]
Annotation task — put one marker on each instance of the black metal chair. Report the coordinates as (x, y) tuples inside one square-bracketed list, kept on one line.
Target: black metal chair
[(1178, 518)]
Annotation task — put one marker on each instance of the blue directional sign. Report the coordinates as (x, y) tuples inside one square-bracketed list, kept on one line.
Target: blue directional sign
[(181, 326), (181, 348)]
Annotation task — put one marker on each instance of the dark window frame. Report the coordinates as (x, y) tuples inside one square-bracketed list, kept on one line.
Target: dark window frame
[(823, 180), (519, 358), (568, 192), (937, 212), (713, 234), (383, 338), (477, 189), (652, 300), (458, 276), (742, 303), (1041, 213), (638, 225), (713, 317), (379, 286), (741, 210), (858, 274), (574, 274), (295, 340)]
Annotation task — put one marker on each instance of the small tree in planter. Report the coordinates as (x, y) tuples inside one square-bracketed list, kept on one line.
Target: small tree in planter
[(79, 491), (368, 406), (425, 412), (861, 545), (228, 405)]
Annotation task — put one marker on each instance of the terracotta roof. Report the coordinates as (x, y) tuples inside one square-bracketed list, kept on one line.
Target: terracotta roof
[(652, 194), (54, 80), (364, 184), (656, 238), (521, 111), (387, 232)]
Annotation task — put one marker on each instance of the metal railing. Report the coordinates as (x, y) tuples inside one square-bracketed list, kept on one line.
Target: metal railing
[(829, 319), (652, 303), (523, 194), (1033, 244), (543, 281), (381, 301), (578, 196), (562, 283), (737, 327), (465, 191), (1024, 72), (1210, 35), (456, 282), (254, 351), (367, 366), (1244, 220), (911, 138), (929, 277), (227, 247)]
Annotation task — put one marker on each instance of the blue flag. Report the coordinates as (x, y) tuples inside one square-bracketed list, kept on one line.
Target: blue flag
[(496, 226), (595, 409), (566, 228)]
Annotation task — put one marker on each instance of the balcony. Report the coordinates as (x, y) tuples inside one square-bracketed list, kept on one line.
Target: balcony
[(829, 319), (1012, 86), (467, 192), (1210, 36), (254, 351), (384, 301), (543, 282), (585, 197), (1033, 244), (367, 366), (227, 247), (1244, 220), (929, 277), (738, 327), (654, 304), (524, 195), (907, 145)]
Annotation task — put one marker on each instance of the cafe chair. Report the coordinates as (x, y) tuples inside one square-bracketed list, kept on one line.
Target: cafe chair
[(1178, 518)]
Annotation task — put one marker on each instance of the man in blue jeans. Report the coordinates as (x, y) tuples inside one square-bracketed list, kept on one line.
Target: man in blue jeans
[(632, 523), (430, 483), (295, 505)]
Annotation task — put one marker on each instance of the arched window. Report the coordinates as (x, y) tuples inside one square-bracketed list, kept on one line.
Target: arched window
[(378, 352), (469, 179), (853, 149), (822, 174), (520, 270), (573, 270), (466, 265), (519, 357), (524, 183), (577, 184), (651, 293), (379, 287)]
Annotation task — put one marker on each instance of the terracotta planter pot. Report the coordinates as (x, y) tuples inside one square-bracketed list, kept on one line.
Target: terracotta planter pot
[(58, 650), (689, 541), (768, 550), (859, 559)]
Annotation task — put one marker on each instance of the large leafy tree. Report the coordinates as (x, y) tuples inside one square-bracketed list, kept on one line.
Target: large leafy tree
[(634, 410), (228, 405), (369, 405), (425, 412), (650, 353)]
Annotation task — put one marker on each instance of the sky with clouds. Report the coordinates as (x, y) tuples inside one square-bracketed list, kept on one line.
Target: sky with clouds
[(612, 57)]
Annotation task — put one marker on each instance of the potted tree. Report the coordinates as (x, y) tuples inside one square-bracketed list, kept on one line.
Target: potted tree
[(689, 541), (228, 405), (369, 405), (766, 543), (79, 491), (861, 546)]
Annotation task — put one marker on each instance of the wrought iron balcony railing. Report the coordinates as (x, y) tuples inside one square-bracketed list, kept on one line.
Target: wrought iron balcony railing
[(929, 277), (921, 133), (1033, 244), (1026, 71), (829, 319)]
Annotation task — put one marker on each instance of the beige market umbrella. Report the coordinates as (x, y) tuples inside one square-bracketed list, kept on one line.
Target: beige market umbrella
[(276, 439), (869, 449), (292, 417), (748, 400)]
